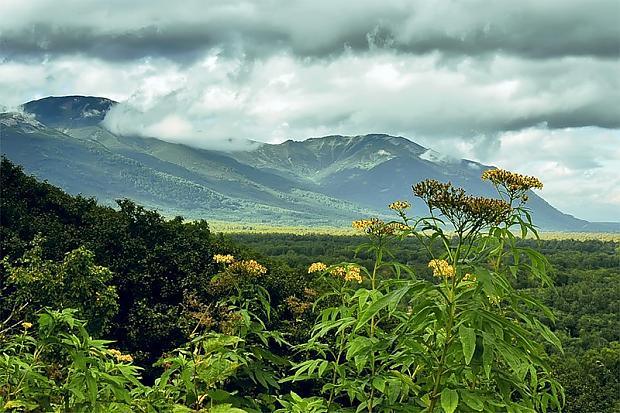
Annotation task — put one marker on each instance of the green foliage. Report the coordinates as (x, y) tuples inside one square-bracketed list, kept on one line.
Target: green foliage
[(156, 263), (400, 343), (61, 368), (194, 375), (77, 282), (412, 318)]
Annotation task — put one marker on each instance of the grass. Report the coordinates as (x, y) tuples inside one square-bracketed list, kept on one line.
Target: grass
[(251, 228)]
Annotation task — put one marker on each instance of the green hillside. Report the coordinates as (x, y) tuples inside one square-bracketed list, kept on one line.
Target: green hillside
[(316, 182)]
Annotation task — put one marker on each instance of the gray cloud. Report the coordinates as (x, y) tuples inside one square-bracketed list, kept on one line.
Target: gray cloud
[(126, 31), (530, 85)]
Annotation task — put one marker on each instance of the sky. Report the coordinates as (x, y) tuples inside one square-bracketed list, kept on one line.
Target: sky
[(531, 86)]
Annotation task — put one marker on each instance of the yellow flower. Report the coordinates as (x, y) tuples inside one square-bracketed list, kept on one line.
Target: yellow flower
[(125, 357), (348, 272), (366, 224), (316, 267), (469, 277), (338, 272), (399, 205), (223, 259), (26, 325), (441, 268), (353, 274), (397, 226), (512, 181), (120, 356), (494, 299), (297, 306), (376, 226), (250, 267)]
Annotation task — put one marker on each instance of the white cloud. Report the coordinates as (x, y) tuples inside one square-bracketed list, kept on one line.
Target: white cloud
[(579, 167), (531, 86)]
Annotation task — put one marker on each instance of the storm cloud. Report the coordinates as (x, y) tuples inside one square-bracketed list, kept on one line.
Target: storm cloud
[(484, 80), (120, 30)]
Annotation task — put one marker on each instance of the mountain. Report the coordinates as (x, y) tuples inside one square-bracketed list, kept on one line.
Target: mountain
[(319, 181)]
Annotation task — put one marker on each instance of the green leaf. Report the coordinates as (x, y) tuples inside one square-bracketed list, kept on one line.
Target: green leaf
[(472, 401), (324, 364), (487, 355), (225, 408), (548, 335), (468, 341), (379, 384), (449, 400), (390, 300)]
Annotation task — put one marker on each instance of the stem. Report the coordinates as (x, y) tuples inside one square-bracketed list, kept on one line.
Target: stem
[(442, 361), (373, 281), (340, 351), (449, 325)]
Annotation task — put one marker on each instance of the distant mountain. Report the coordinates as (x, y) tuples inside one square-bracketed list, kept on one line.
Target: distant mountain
[(319, 181), (69, 111)]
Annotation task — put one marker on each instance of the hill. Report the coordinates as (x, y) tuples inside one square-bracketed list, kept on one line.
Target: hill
[(319, 181)]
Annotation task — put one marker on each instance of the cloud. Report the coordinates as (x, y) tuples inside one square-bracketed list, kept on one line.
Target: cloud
[(417, 96), (120, 30), (579, 167), (531, 86)]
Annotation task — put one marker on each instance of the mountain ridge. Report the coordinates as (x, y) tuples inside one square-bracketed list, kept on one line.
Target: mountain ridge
[(318, 181)]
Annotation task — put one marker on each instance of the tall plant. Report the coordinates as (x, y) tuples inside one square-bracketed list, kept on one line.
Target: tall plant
[(387, 340)]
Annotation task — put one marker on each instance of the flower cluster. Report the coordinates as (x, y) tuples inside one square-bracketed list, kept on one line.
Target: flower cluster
[(26, 325), (231, 322), (297, 307), (316, 267), (348, 272), (441, 268), (397, 226), (465, 212), (469, 277), (375, 226), (367, 224), (399, 205), (310, 292), (223, 259), (120, 356), (512, 181), (250, 267), (353, 274)]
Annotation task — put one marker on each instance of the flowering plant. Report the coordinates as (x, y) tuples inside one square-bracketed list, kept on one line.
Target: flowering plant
[(465, 342)]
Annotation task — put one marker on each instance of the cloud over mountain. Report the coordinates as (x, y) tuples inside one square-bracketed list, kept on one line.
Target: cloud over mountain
[(468, 77)]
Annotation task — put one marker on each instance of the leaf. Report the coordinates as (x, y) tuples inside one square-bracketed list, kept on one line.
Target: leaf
[(225, 408), (379, 384), (548, 335), (468, 341), (358, 345), (391, 299), (324, 364), (472, 401), (487, 355), (449, 400)]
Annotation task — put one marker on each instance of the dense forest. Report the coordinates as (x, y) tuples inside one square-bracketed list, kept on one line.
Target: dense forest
[(120, 309)]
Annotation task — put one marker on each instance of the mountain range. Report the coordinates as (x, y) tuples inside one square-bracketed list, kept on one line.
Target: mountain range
[(318, 181)]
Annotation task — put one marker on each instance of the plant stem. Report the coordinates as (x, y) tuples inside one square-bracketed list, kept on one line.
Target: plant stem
[(378, 259), (449, 325)]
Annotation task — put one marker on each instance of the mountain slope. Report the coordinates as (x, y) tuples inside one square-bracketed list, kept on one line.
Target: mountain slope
[(171, 177), (326, 181)]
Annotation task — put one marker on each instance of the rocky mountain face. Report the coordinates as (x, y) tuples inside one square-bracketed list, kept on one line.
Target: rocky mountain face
[(319, 181)]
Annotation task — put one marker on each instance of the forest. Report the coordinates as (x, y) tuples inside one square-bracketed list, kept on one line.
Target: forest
[(122, 309)]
